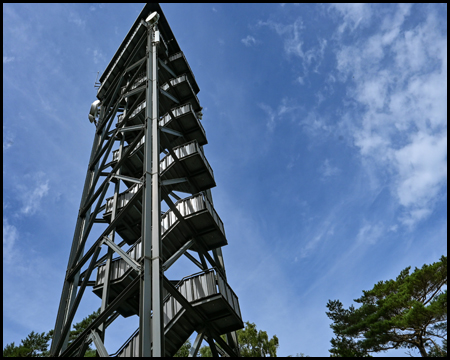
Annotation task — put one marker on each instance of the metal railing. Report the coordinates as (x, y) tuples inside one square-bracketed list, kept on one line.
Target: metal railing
[(181, 55), (178, 111), (182, 151), (178, 80), (193, 287), (122, 199), (189, 206), (118, 266), (116, 152)]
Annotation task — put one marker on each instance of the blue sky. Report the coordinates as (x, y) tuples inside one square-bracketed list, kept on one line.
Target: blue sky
[(327, 130)]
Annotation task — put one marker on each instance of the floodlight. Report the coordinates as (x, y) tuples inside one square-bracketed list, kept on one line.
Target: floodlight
[(152, 18), (94, 110)]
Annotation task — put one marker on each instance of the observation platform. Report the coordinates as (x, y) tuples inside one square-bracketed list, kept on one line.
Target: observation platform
[(206, 291), (192, 165), (196, 211), (185, 121), (179, 64), (180, 91)]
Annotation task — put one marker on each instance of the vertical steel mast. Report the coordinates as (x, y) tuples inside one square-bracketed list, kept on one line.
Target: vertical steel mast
[(149, 143)]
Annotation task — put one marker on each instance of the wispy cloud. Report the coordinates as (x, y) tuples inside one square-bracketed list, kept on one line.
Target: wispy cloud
[(98, 56), (285, 108), (31, 198), (315, 124), (293, 44), (326, 230), (327, 170), (76, 19), (403, 123), (249, 41), (10, 236), (8, 59), (369, 234), (8, 139), (353, 15)]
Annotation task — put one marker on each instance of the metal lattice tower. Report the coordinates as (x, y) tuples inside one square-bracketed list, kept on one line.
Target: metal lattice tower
[(149, 143)]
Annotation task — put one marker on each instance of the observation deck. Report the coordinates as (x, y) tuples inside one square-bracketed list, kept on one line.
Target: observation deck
[(184, 121), (178, 91), (192, 165), (197, 212), (206, 291), (180, 65)]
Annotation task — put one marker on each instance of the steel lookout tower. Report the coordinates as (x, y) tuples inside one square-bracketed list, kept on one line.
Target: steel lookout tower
[(148, 154)]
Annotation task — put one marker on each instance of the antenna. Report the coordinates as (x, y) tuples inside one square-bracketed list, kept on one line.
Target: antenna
[(97, 84)]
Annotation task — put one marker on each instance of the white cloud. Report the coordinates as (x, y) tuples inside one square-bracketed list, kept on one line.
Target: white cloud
[(314, 124), (283, 109), (270, 114), (353, 15), (249, 41), (369, 234), (76, 19), (293, 44), (8, 59), (400, 85), (10, 236), (32, 197), (98, 56), (8, 139), (328, 170)]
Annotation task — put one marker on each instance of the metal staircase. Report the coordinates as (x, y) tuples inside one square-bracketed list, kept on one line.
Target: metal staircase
[(149, 143), (210, 294)]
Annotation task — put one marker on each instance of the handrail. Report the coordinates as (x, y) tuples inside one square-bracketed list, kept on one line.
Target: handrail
[(177, 80), (167, 117), (208, 206), (177, 286), (178, 151), (125, 343)]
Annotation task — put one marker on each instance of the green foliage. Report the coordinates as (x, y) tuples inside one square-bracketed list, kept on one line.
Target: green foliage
[(205, 351), (409, 312), (438, 351), (183, 351), (90, 353), (253, 343), (34, 345), (78, 328)]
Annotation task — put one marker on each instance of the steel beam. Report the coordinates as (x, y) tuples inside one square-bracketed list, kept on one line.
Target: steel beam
[(70, 285), (130, 289), (135, 265), (98, 343), (157, 271), (165, 67), (196, 346), (170, 131), (169, 95), (175, 256), (131, 128), (128, 178), (173, 181)]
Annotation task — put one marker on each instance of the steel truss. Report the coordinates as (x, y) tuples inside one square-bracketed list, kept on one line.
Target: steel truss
[(148, 92)]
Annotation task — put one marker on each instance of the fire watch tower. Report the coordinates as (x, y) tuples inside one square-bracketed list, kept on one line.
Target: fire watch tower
[(149, 146)]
